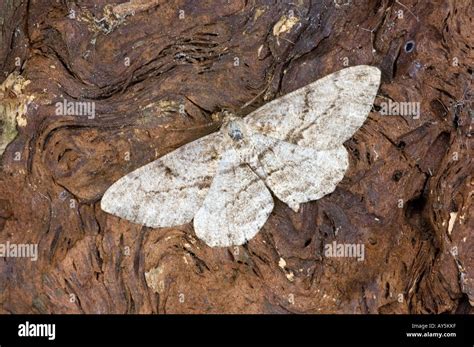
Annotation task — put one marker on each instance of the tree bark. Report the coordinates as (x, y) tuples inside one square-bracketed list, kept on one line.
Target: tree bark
[(155, 71)]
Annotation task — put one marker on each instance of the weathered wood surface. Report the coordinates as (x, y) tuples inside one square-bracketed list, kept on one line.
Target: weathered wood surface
[(406, 197)]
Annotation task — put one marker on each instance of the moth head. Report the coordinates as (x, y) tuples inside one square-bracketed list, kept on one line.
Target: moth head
[(233, 126)]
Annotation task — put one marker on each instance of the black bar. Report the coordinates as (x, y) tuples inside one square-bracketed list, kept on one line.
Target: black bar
[(226, 329)]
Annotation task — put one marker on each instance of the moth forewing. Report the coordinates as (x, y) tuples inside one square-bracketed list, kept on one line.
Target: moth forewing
[(170, 190), (323, 114)]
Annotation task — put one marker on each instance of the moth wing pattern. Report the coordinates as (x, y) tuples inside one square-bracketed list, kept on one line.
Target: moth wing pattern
[(297, 174), (324, 113), (168, 191), (236, 207)]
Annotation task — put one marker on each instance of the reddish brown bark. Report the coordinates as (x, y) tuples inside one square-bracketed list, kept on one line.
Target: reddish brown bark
[(407, 179)]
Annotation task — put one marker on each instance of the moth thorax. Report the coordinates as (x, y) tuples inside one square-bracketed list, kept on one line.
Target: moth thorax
[(234, 127), (235, 132)]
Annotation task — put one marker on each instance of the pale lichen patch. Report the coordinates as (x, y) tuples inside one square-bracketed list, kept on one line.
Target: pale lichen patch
[(13, 107), (108, 23), (258, 13), (452, 220), (284, 25), (114, 15), (289, 274), (282, 263), (155, 279)]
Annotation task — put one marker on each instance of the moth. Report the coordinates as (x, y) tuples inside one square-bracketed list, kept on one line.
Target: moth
[(291, 146)]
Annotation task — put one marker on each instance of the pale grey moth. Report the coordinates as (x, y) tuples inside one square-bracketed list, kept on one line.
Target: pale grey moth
[(292, 146)]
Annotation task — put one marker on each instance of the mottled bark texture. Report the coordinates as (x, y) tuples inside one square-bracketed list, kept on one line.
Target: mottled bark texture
[(155, 71)]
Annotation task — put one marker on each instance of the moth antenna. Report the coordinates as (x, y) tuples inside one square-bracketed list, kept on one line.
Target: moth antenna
[(194, 127), (264, 90), (247, 104)]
